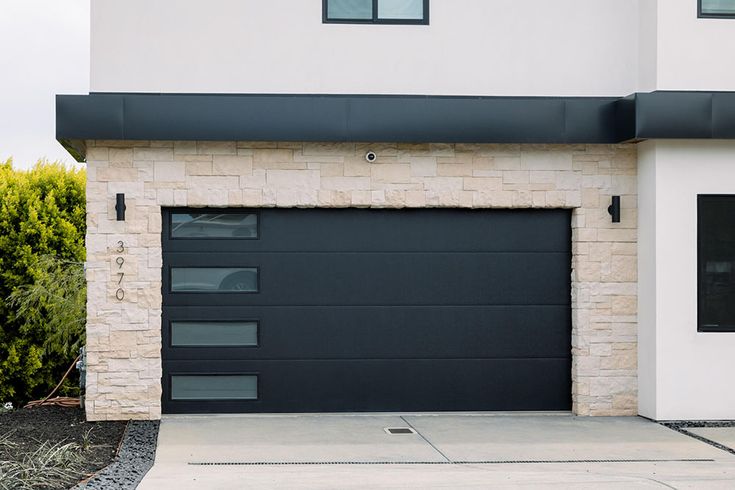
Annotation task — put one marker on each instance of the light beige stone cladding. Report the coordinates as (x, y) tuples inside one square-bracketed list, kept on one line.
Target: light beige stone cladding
[(124, 336)]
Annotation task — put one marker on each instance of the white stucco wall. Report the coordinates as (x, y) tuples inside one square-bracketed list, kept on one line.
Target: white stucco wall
[(683, 374), (647, 368), (472, 47), (647, 45), (693, 53)]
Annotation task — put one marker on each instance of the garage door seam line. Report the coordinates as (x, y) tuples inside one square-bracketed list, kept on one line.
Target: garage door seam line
[(427, 440)]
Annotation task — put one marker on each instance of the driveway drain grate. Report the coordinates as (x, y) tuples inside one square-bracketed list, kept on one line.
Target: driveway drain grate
[(347, 463), (395, 431)]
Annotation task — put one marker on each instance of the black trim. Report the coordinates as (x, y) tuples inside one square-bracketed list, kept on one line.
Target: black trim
[(703, 15), (376, 19), (393, 118), (701, 260)]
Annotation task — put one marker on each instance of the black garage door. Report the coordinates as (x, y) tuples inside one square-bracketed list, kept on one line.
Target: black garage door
[(295, 310)]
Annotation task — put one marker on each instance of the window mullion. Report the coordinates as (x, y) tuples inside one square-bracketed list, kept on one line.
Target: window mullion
[(375, 11)]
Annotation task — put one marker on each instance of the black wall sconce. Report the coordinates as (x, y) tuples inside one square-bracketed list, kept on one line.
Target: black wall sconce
[(614, 209), (120, 206)]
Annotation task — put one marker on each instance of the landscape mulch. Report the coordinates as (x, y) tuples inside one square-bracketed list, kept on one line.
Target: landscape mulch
[(29, 428)]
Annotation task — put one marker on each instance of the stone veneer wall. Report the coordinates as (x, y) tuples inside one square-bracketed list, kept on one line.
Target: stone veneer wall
[(124, 337)]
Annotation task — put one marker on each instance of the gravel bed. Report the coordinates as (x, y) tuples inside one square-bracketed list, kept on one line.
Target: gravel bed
[(697, 424), (135, 458)]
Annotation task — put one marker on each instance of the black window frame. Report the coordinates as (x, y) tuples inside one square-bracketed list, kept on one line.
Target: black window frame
[(701, 327), (703, 15), (376, 19)]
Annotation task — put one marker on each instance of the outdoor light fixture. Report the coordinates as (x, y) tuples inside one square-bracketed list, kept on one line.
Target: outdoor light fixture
[(120, 206), (614, 209)]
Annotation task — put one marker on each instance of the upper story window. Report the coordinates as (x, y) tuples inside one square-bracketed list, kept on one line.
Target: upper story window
[(376, 11), (716, 262), (717, 8)]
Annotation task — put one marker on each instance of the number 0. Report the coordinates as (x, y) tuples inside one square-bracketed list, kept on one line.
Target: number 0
[(120, 294)]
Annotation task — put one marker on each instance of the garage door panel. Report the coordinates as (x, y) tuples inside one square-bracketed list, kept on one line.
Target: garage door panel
[(408, 230), (382, 278), (385, 385), (294, 310), (382, 332)]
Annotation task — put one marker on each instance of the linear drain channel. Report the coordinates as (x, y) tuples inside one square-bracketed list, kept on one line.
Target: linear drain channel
[(346, 463)]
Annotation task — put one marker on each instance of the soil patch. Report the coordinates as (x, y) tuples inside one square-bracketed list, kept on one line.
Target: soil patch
[(25, 431)]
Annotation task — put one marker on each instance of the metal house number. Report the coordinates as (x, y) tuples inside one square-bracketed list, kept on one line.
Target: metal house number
[(120, 293)]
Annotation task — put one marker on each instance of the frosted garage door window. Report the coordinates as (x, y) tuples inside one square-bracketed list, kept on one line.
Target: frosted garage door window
[(214, 387), (718, 7), (214, 334), (214, 279), (207, 225)]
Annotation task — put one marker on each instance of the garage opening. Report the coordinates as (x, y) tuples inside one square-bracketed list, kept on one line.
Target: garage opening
[(348, 310)]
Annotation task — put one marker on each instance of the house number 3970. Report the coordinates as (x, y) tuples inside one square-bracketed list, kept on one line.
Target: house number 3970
[(120, 293)]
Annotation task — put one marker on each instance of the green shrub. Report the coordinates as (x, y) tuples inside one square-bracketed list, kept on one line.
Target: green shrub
[(42, 214)]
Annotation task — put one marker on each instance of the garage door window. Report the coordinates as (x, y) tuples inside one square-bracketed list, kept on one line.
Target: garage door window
[(214, 225), (214, 387), (716, 236), (214, 334), (214, 279)]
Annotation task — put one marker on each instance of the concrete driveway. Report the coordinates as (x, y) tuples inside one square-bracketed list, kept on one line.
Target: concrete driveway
[(439, 451)]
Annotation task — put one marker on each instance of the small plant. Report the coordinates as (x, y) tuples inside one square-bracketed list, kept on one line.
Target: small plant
[(49, 465), (87, 439), (6, 407)]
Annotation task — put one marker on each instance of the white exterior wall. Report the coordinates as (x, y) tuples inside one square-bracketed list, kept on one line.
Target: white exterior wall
[(647, 45), (472, 47), (693, 53), (683, 374), (647, 368)]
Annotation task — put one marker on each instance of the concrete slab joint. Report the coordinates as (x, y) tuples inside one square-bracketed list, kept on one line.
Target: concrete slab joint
[(124, 336)]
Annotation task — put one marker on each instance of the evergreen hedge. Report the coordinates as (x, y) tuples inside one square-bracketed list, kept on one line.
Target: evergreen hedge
[(42, 215)]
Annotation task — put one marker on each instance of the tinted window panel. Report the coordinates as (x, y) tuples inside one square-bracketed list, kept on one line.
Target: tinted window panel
[(214, 387), (718, 7), (350, 9), (716, 263), (214, 334), (214, 279), (401, 9), (225, 225)]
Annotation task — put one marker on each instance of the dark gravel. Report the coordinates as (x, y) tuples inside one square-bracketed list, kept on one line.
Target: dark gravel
[(29, 428), (694, 424), (136, 456)]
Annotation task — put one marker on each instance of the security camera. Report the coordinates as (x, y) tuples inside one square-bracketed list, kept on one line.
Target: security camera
[(370, 157)]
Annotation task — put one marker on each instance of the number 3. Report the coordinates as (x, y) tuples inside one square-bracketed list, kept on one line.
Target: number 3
[(120, 247)]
